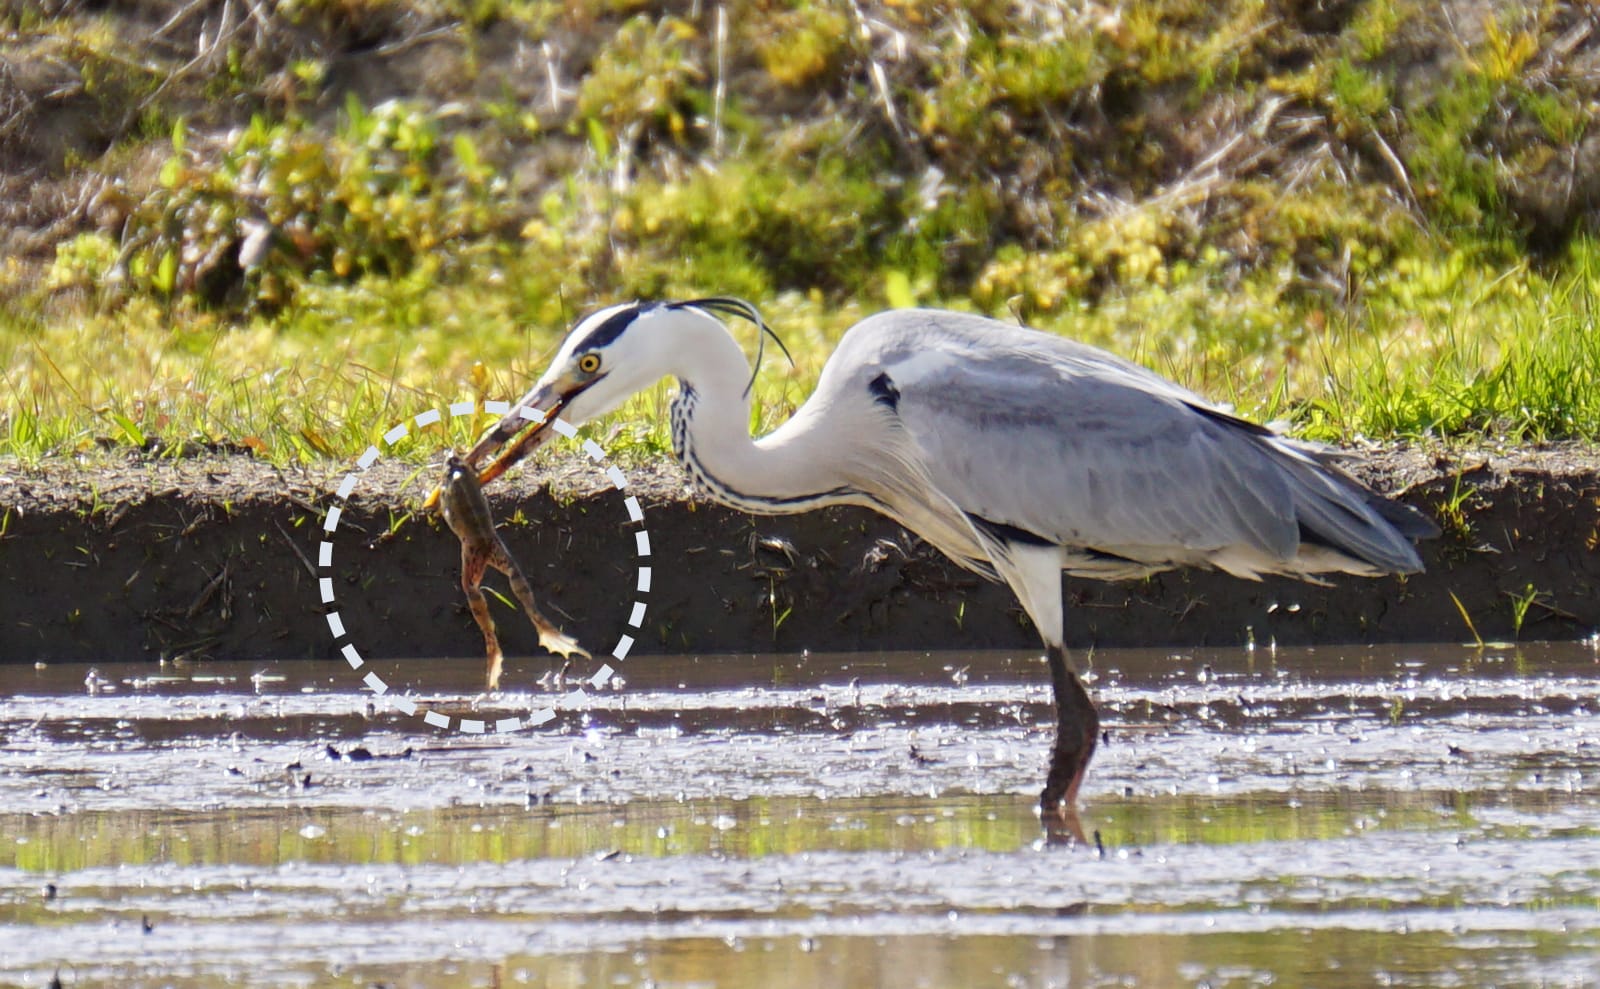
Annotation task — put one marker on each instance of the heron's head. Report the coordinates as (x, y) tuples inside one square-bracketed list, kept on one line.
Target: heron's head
[(607, 357)]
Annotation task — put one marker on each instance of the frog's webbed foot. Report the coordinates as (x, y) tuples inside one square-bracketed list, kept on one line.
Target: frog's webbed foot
[(553, 640)]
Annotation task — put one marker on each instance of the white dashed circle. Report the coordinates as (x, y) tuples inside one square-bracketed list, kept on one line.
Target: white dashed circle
[(348, 648)]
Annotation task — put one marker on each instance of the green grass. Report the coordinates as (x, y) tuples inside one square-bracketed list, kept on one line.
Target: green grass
[(1290, 217), (1514, 356)]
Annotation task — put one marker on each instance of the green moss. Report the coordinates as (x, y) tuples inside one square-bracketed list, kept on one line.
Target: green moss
[(646, 78), (799, 46), (800, 226), (989, 88), (1375, 26), (1358, 95)]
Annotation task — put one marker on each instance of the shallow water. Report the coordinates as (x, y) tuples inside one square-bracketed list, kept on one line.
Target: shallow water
[(1418, 816)]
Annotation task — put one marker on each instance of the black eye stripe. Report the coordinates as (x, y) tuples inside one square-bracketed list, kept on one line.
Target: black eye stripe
[(607, 332)]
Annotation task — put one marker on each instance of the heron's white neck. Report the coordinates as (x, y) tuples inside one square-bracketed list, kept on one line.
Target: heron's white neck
[(788, 470)]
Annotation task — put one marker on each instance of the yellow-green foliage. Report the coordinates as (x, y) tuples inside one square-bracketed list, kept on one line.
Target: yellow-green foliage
[(1312, 220), (799, 45), (646, 76), (803, 228), (286, 203)]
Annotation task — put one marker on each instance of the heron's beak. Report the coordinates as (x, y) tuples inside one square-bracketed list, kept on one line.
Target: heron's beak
[(531, 416)]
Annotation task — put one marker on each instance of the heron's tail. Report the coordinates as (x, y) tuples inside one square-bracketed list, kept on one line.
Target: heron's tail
[(1337, 512)]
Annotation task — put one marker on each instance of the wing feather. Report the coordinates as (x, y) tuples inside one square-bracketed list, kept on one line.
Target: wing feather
[(1080, 447), (1092, 462)]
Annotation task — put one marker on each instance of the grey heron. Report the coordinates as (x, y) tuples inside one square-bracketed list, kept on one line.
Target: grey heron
[(1019, 454)]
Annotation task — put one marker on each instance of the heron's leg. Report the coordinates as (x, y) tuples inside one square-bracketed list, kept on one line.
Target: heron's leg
[(1077, 731)]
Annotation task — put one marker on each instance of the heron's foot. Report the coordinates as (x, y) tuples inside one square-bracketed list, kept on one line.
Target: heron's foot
[(1069, 763), (1061, 823)]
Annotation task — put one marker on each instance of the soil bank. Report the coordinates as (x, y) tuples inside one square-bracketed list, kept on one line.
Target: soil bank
[(219, 557)]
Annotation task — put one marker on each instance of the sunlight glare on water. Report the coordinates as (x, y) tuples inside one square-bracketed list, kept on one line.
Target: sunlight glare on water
[(1419, 816)]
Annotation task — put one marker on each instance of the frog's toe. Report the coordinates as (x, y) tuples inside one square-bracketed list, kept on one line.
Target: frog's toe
[(562, 645)]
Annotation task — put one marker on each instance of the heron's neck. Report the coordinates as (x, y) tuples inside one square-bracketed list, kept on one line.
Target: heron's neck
[(788, 470)]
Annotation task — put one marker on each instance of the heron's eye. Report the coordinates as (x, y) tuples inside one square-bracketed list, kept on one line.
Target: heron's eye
[(589, 363)]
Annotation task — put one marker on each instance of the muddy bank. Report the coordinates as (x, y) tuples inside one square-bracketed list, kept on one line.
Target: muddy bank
[(219, 558)]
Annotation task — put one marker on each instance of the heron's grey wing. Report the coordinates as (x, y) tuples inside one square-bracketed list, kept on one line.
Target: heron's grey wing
[(1092, 454)]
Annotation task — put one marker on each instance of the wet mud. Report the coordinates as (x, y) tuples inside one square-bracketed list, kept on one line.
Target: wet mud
[(219, 558), (1395, 815)]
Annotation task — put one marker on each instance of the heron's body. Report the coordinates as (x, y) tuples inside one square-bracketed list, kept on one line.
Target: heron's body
[(1018, 454), (934, 418)]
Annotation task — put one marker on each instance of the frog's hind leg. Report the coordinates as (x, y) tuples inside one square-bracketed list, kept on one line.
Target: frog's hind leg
[(551, 638), (471, 581)]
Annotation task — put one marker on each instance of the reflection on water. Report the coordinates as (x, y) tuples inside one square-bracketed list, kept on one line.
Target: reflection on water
[(1351, 817)]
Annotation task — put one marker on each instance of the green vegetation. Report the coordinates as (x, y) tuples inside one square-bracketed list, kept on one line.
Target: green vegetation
[(290, 231)]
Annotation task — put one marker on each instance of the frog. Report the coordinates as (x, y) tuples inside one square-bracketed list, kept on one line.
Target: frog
[(466, 512)]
